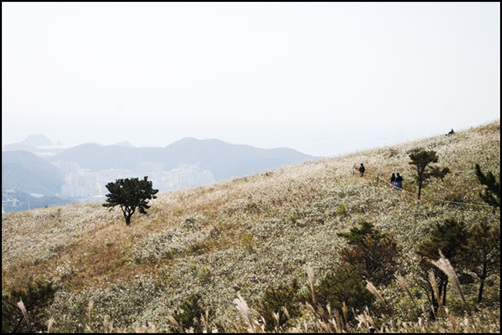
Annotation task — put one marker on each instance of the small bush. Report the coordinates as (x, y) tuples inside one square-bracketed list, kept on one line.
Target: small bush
[(275, 300), (36, 298), (190, 312), (252, 208), (376, 252), (341, 210), (247, 242), (344, 285), (192, 222)]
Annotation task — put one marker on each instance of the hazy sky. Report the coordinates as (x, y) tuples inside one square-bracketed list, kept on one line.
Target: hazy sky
[(322, 78)]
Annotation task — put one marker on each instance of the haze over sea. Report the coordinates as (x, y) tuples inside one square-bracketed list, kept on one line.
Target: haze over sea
[(323, 78)]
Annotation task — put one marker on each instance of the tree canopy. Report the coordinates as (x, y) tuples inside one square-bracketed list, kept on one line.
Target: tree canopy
[(375, 251), (130, 194)]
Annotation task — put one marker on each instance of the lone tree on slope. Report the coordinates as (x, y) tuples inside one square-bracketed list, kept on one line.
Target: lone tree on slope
[(130, 194), (422, 161)]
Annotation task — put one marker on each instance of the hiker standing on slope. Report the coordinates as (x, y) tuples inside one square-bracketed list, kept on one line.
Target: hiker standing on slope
[(361, 170), (393, 180)]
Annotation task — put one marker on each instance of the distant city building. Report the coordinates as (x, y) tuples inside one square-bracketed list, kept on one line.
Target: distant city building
[(67, 167), (13, 202), (81, 185), (190, 176), (91, 186), (149, 167)]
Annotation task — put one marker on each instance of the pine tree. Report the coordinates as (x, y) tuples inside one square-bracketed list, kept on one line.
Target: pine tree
[(425, 171), (36, 298), (482, 252), (491, 194), (375, 251), (449, 237), (130, 194)]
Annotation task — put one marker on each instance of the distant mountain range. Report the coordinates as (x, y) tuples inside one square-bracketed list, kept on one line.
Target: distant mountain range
[(224, 160), (36, 144), (26, 166)]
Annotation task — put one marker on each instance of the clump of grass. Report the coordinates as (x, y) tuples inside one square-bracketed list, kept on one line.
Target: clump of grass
[(243, 308)]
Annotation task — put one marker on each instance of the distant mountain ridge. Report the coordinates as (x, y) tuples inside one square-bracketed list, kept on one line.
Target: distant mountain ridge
[(35, 144), (224, 160), (38, 140)]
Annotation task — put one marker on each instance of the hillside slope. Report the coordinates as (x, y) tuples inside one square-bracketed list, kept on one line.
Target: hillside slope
[(243, 236)]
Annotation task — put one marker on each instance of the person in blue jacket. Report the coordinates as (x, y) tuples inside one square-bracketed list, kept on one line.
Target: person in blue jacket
[(399, 181)]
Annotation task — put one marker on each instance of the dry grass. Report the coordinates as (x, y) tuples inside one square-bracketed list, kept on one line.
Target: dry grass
[(191, 241)]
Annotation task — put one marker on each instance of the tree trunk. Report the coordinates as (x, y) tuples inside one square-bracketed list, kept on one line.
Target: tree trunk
[(480, 294), (484, 275), (128, 212), (444, 292)]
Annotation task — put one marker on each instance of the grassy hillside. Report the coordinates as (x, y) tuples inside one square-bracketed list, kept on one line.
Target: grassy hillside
[(248, 235)]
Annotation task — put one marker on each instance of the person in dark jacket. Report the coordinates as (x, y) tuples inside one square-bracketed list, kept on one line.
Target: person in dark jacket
[(399, 181), (393, 180), (361, 170)]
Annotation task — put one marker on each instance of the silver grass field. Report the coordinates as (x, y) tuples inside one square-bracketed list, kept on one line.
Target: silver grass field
[(232, 240)]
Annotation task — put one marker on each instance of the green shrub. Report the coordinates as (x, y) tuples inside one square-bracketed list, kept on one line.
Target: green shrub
[(190, 312), (274, 300), (36, 298), (247, 242), (376, 252), (344, 285), (341, 210), (491, 194)]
